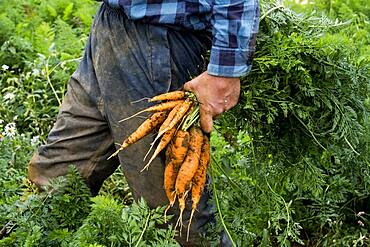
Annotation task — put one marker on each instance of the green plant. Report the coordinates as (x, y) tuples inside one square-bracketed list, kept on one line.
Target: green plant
[(49, 218), (15, 152), (41, 43), (113, 224), (65, 215), (296, 163)]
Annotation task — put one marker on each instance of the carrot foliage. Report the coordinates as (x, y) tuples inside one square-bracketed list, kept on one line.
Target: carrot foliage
[(293, 158)]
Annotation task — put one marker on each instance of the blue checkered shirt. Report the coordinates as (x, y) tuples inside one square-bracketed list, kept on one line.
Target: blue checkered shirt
[(233, 23)]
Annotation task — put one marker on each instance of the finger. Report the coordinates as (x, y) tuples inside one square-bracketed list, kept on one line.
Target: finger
[(206, 122), (188, 86)]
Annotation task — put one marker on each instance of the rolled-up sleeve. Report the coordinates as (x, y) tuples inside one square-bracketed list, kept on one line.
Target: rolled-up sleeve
[(234, 28)]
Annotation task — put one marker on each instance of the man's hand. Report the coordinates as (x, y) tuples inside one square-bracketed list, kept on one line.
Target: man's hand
[(215, 94)]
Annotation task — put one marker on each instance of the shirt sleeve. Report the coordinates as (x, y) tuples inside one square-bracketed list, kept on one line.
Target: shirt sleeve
[(234, 28)]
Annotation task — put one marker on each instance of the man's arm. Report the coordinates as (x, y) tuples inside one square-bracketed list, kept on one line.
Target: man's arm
[(235, 25)]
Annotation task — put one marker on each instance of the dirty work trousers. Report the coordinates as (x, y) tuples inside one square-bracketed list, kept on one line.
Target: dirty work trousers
[(124, 61)]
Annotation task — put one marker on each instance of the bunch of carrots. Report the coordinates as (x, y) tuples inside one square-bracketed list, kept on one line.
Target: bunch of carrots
[(187, 148)]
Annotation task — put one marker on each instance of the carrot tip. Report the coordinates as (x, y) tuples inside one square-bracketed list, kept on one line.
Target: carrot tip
[(145, 168), (138, 113), (165, 212), (147, 153), (179, 221), (150, 161), (191, 217), (122, 146), (114, 154), (139, 100)]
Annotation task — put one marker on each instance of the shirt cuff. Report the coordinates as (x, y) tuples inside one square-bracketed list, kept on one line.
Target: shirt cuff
[(229, 62)]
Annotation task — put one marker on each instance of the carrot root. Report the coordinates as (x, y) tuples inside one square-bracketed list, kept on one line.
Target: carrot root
[(191, 162), (188, 231), (139, 100), (181, 112), (144, 129), (156, 108), (179, 223), (174, 95), (123, 146), (165, 212), (136, 114), (166, 138)]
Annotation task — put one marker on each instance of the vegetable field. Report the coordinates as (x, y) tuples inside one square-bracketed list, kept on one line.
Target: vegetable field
[(290, 164)]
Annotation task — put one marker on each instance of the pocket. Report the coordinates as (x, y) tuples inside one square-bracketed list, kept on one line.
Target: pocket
[(160, 58)]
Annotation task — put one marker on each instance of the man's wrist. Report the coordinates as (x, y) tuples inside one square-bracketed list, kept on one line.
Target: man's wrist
[(224, 78), (228, 71)]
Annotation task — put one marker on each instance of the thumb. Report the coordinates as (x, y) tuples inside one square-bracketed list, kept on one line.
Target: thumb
[(206, 122)]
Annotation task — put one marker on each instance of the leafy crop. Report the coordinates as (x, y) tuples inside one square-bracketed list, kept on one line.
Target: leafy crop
[(298, 142), (64, 215), (41, 43)]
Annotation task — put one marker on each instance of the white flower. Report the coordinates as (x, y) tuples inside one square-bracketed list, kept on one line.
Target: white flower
[(35, 140), (361, 223), (10, 130), (360, 213), (5, 67), (9, 96), (10, 125), (35, 72)]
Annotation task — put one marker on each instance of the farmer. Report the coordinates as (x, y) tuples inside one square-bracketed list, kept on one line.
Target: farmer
[(138, 49)]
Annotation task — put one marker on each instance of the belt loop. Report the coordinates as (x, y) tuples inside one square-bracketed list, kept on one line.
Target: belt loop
[(112, 3)]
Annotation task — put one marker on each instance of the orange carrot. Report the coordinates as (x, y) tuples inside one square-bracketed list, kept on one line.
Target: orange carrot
[(170, 175), (180, 147), (175, 116), (145, 128), (168, 153), (156, 108), (170, 117), (189, 167), (183, 109), (166, 122), (199, 178), (175, 95), (166, 138)]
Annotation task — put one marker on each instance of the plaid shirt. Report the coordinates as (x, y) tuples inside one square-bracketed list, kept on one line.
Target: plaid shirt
[(233, 23)]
